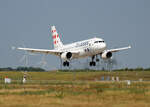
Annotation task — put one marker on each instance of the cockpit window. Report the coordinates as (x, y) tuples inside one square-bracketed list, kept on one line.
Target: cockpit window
[(98, 41)]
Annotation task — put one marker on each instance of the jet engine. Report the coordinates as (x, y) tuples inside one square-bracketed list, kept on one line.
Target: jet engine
[(106, 55), (66, 55)]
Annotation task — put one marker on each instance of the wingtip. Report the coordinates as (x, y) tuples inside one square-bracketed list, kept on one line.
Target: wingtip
[(129, 46), (13, 47), (19, 48)]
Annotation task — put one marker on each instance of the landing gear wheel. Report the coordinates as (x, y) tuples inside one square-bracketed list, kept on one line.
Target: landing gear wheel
[(97, 60), (92, 63), (66, 63)]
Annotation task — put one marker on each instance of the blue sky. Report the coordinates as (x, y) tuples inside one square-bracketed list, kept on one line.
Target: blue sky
[(124, 22)]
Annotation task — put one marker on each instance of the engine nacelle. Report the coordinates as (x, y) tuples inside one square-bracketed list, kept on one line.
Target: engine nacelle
[(66, 55), (106, 55)]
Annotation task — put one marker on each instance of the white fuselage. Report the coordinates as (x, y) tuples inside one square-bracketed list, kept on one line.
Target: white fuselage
[(85, 48)]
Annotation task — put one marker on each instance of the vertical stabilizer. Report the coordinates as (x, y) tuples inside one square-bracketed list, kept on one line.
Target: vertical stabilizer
[(56, 40)]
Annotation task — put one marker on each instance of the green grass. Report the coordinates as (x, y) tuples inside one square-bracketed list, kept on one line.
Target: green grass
[(70, 89), (71, 76)]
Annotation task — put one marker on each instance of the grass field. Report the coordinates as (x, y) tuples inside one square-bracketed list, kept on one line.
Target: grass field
[(70, 89)]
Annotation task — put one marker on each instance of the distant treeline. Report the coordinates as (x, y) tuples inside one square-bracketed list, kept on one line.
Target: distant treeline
[(134, 69), (38, 69), (23, 69), (124, 69)]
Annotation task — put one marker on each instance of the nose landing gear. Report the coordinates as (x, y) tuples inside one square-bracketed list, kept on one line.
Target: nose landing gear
[(97, 60), (93, 63)]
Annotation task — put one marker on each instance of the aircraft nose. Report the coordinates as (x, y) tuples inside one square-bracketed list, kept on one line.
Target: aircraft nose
[(103, 45)]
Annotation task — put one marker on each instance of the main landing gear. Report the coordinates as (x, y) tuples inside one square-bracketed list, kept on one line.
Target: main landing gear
[(93, 63), (66, 63)]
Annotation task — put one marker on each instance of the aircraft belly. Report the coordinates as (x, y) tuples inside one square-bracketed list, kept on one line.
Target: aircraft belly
[(86, 52), (82, 54)]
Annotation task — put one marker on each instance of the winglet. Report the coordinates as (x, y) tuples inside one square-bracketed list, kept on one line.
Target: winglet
[(129, 46)]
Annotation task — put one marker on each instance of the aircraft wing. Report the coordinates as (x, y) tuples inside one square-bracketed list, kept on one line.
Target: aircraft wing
[(45, 51), (119, 49)]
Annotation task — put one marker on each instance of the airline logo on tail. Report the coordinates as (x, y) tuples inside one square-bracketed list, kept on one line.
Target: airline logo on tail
[(56, 40)]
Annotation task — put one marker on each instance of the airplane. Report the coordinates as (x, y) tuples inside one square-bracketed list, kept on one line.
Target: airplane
[(81, 49)]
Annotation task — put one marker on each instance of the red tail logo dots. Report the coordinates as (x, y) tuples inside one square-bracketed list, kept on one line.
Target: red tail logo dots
[(56, 40), (54, 37)]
